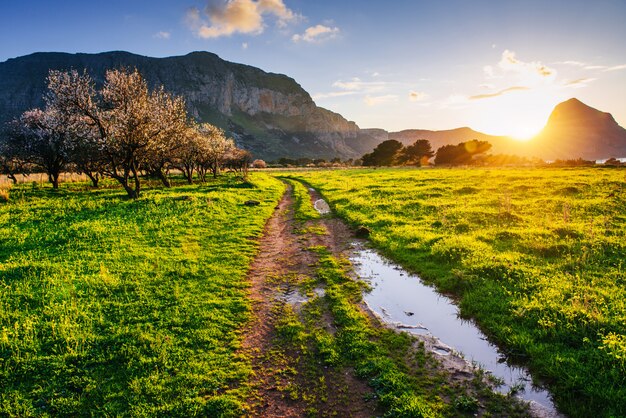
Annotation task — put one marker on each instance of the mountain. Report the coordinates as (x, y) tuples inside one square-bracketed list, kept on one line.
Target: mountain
[(269, 114), (576, 130), (273, 116)]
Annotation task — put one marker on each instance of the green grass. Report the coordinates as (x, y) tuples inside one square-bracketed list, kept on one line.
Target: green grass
[(535, 255), (303, 209), (111, 306), (405, 378)]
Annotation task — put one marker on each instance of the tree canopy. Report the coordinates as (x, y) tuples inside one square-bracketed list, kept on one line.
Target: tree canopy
[(417, 153), (384, 154), (461, 154)]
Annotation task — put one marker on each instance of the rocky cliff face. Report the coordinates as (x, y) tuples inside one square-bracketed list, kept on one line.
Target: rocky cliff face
[(270, 114)]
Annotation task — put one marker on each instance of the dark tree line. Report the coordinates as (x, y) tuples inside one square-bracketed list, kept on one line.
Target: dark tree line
[(122, 130), (461, 154), (393, 153)]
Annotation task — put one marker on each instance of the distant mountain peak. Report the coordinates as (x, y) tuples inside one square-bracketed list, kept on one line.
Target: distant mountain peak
[(575, 129), (575, 111)]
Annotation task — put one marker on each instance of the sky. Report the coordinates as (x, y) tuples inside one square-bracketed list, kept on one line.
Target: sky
[(499, 67)]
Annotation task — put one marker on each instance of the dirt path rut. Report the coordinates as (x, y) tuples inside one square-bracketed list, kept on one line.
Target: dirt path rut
[(283, 383)]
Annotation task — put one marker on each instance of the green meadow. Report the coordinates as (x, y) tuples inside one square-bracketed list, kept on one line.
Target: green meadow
[(111, 306), (536, 256), (114, 306)]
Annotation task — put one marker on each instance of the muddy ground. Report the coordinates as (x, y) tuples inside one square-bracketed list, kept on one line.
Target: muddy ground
[(285, 383)]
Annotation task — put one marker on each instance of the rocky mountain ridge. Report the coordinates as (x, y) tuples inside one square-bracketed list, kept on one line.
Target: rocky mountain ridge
[(270, 114)]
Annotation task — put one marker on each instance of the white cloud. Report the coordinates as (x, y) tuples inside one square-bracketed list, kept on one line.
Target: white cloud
[(226, 18), (510, 63), (615, 68), (578, 83), (587, 66), (244, 45), (317, 33), (573, 63), (356, 84), (333, 94), (378, 100), (162, 35), (417, 96)]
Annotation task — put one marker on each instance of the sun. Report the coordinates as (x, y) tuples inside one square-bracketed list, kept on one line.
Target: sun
[(524, 131), (520, 116)]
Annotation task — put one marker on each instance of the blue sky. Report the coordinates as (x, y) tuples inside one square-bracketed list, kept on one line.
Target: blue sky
[(497, 66)]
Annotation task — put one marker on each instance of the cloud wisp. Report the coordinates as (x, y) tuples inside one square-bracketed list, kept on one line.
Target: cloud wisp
[(225, 18), (587, 66), (417, 96), (333, 94), (316, 34), (498, 93), (578, 83), (378, 100), (162, 35), (372, 93), (615, 68)]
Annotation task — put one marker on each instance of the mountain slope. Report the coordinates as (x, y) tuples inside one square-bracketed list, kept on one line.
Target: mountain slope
[(576, 130), (270, 114)]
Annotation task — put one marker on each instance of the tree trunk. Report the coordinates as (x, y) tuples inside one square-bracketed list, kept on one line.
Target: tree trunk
[(54, 179), (137, 188), (202, 174), (164, 179), (13, 178), (94, 177), (188, 173)]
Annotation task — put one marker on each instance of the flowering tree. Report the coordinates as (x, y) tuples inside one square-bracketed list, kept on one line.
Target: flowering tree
[(239, 161), (186, 156), (42, 139), (127, 124), (213, 149)]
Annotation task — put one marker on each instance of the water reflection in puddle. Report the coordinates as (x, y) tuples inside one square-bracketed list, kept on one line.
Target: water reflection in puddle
[(401, 300)]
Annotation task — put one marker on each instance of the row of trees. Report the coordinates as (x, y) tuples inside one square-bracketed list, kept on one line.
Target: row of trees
[(123, 130), (392, 152)]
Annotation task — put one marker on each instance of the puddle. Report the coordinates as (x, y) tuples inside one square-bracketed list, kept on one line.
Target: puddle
[(292, 296), (402, 301), (321, 206)]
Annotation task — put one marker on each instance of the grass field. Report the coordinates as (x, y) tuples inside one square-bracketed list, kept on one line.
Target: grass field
[(535, 255), (332, 329), (110, 306)]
